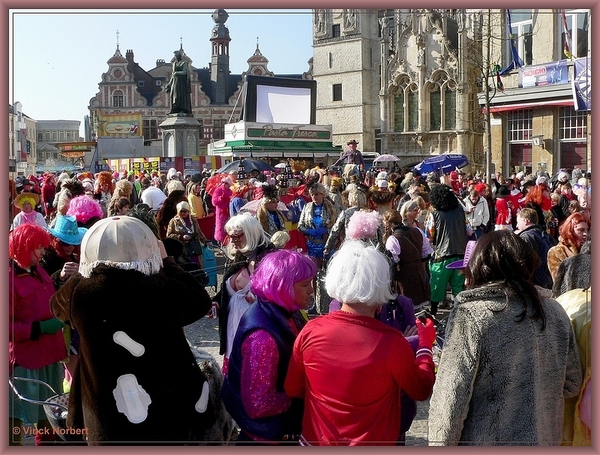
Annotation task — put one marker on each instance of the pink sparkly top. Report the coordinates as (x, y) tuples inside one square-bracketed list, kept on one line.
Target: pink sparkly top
[(259, 376)]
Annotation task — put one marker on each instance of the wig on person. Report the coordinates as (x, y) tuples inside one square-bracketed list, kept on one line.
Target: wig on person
[(175, 185), (84, 208), (442, 198), (252, 229), (24, 240), (142, 212), (359, 273), (566, 230), (363, 225), (504, 257), (277, 272), (358, 196)]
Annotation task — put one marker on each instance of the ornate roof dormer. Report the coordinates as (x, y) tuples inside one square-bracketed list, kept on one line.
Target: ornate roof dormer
[(257, 64), (118, 57)]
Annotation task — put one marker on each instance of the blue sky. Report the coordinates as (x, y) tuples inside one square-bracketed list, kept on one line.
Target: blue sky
[(58, 56)]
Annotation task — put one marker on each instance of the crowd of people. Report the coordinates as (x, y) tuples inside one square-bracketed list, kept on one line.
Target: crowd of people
[(327, 273)]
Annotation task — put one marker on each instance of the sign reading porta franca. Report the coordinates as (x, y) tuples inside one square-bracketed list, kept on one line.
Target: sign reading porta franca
[(277, 131)]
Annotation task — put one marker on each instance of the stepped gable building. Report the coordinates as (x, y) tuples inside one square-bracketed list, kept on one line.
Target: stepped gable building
[(135, 94)]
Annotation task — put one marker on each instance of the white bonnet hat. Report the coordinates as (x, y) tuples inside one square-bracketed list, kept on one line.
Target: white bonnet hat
[(122, 242)]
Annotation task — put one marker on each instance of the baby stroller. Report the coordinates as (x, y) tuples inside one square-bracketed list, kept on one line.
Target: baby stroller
[(56, 408)]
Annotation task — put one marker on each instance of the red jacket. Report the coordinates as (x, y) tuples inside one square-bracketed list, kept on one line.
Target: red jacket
[(28, 302), (349, 370)]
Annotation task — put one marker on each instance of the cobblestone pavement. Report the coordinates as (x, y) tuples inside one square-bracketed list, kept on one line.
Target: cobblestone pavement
[(204, 334)]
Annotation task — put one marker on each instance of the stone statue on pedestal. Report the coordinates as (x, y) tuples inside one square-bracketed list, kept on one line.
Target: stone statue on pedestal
[(180, 86)]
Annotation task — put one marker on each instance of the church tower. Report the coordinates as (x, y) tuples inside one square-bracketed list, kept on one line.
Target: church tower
[(219, 61)]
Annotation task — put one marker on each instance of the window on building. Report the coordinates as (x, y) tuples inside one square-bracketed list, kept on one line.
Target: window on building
[(573, 124), (522, 31), (150, 129), (219, 128), (399, 112), (61, 135), (442, 108), (519, 125), (55, 136), (573, 138), (449, 109), (406, 107), (413, 111), (435, 110), (40, 136), (141, 83), (118, 99), (337, 92), (519, 136), (335, 31), (577, 25), (158, 83)]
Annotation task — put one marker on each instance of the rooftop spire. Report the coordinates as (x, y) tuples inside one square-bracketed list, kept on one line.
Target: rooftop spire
[(117, 40)]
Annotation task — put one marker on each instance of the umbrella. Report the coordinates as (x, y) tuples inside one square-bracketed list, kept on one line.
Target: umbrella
[(280, 166), (249, 165), (385, 158), (253, 206), (444, 163)]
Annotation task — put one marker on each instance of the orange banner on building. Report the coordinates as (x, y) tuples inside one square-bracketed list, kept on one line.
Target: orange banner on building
[(117, 124)]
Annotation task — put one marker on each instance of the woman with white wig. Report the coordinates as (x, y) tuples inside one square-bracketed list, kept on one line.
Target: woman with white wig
[(249, 243), (129, 302), (370, 361)]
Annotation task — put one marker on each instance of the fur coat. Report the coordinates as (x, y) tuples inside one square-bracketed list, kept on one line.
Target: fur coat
[(131, 325), (499, 381)]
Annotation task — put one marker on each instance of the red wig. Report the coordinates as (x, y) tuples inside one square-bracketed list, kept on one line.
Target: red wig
[(536, 194), (24, 240), (566, 230)]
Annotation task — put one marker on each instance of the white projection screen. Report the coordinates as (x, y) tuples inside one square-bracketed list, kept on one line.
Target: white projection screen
[(280, 100), (282, 104)]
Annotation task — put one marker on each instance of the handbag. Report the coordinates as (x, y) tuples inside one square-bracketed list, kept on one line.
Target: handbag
[(193, 248)]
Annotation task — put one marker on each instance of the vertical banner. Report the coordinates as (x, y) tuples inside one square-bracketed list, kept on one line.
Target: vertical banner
[(582, 84)]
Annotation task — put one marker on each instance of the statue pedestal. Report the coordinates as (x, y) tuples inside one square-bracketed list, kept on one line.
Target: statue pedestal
[(180, 135)]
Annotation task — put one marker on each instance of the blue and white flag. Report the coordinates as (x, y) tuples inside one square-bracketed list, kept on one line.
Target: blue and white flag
[(582, 84)]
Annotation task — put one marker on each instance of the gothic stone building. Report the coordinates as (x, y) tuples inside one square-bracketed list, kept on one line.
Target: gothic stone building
[(400, 81)]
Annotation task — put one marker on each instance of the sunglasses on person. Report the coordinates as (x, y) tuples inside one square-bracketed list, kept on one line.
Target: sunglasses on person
[(236, 236), (184, 211)]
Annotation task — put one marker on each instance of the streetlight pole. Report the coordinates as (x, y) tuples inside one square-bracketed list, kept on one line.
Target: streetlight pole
[(488, 150)]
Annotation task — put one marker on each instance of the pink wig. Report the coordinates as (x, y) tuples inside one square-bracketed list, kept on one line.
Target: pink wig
[(24, 240), (274, 278), (363, 225), (83, 208)]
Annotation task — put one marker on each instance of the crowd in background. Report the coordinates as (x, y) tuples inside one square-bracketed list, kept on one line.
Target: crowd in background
[(359, 248)]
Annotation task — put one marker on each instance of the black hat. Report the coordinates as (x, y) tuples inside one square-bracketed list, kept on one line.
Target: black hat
[(197, 178), (353, 141), (502, 191)]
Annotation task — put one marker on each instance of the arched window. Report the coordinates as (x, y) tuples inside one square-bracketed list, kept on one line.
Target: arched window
[(118, 98), (442, 103), (406, 105)]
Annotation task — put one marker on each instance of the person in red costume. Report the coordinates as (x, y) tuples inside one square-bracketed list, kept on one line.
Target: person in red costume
[(503, 209), (36, 344), (369, 361)]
